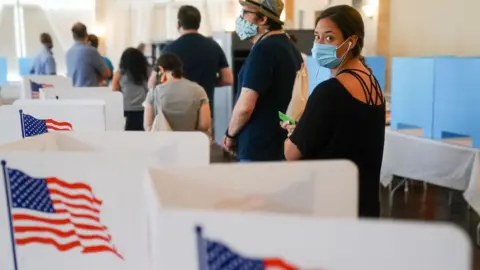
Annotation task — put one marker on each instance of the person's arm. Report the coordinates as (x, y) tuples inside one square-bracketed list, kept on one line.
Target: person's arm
[(152, 81), (257, 78), (148, 117), (50, 66), (148, 113), (99, 64), (204, 115), (110, 66), (205, 119), (313, 131), (116, 82), (224, 71)]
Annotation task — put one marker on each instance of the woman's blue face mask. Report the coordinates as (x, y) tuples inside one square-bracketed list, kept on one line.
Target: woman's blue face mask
[(326, 55)]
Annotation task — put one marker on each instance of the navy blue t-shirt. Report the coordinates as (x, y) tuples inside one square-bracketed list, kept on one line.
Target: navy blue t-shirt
[(202, 59), (270, 70)]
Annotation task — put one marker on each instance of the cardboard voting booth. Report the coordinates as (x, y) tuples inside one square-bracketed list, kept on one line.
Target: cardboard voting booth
[(31, 85), (81, 210), (212, 240), (9, 93), (165, 148), (113, 101), (323, 189), (89, 186), (28, 118)]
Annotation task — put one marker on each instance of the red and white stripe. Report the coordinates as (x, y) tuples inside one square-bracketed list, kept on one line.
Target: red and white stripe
[(76, 223), (53, 125)]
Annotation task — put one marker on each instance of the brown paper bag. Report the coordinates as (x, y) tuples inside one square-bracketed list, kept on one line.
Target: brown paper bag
[(299, 94)]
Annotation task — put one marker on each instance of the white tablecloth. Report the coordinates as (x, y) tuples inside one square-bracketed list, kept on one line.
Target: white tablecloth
[(436, 162)]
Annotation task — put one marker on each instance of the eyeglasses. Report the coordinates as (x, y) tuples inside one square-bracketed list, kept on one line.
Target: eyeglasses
[(246, 12)]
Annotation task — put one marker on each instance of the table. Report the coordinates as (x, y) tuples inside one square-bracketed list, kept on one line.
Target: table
[(436, 162), (450, 163)]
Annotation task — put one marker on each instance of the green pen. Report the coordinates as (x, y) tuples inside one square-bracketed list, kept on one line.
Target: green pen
[(285, 117)]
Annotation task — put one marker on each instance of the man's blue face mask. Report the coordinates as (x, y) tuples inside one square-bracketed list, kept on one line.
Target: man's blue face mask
[(245, 29)]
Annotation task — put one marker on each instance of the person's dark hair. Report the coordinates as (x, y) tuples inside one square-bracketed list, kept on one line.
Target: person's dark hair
[(189, 18), (46, 39), (134, 63), (271, 24), (79, 31), (350, 23), (141, 46), (171, 62), (93, 40)]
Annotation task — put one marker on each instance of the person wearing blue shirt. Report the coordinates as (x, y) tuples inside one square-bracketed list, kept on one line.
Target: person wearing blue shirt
[(204, 61), (93, 41), (265, 82), (44, 63), (84, 64)]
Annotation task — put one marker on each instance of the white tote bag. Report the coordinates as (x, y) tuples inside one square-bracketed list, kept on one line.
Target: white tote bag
[(160, 123), (299, 94)]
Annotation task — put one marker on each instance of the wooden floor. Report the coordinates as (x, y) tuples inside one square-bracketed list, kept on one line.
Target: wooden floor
[(432, 204)]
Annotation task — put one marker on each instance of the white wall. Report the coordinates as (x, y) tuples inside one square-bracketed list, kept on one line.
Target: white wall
[(51, 16), (434, 27)]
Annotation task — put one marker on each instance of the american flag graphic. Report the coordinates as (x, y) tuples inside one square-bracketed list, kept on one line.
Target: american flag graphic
[(36, 88), (214, 255), (49, 211), (32, 126)]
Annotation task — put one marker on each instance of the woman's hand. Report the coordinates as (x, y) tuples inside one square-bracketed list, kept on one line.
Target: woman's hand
[(288, 127)]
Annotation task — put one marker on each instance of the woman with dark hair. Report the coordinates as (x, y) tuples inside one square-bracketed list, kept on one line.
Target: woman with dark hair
[(131, 80), (184, 103), (345, 115)]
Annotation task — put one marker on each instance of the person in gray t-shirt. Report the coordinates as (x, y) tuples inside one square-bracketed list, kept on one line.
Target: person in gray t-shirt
[(131, 80), (184, 103)]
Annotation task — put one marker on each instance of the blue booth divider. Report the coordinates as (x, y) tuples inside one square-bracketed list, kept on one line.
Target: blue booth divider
[(457, 98), (24, 65), (378, 64), (412, 94), (3, 71), (318, 74)]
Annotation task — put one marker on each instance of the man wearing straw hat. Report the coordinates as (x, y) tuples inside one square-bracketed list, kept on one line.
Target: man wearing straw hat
[(266, 81)]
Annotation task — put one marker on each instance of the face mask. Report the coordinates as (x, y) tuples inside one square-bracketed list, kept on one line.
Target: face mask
[(326, 55), (245, 29)]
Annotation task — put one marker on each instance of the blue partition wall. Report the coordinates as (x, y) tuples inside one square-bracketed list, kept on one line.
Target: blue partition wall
[(412, 94), (457, 98), (316, 74), (3, 71), (24, 65), (378, 64)]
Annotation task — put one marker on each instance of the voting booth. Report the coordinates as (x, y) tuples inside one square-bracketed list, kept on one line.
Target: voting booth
[(113, 101), (32, 84), (207, 240), (3, 71), (24, 65), (322, 189), (28, 118), (168, 148), (457, 95), (9, 93)]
